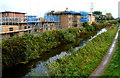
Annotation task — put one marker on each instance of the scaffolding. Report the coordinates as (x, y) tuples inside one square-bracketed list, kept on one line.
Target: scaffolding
[(54, 19), (81, 13), (51, 19), (72, 12), (85, 16), (32, 21)]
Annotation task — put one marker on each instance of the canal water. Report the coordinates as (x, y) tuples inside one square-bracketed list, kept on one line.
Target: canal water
[(38, 67)]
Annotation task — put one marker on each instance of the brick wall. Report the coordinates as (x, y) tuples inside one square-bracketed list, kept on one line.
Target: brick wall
[(20, 15), (6, 28)]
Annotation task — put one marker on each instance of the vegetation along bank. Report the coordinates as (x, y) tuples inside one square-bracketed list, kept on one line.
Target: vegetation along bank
[(83, 61), (113, 69), (22, 49)]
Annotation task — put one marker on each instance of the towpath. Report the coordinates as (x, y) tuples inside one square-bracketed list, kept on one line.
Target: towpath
[(106, 60)]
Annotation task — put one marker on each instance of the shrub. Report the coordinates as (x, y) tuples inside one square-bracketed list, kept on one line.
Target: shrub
[(95, 26), (28, 46)]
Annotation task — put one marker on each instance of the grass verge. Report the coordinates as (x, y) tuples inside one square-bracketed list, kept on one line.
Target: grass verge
[(114, 68)]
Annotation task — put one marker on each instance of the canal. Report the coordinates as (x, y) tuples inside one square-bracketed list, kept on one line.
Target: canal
[(38, 67)]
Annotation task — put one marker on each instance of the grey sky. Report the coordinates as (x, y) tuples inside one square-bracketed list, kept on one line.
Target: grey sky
[(39, 7)]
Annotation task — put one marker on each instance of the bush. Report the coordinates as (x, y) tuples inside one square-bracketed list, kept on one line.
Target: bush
[(13, 51), (28, 46), (95, 26), (87, 26)]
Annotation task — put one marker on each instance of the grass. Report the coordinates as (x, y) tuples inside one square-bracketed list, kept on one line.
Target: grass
[(83, 61), (114, 68)]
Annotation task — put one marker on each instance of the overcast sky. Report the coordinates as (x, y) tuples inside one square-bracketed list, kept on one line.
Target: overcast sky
[(39, 7)]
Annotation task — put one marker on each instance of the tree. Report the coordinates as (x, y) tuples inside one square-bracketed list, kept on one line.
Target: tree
[(109, 16), (95, 25), (87, 26), (97, 13)]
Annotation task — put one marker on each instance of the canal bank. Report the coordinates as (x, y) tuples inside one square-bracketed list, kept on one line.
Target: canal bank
[(106, 60), (24, 48), (41, 58), (83, 61), (113, 69), (39, 65)]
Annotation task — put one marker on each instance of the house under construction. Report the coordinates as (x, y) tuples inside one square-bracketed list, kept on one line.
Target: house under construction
[(69, 19), (13, 24), (16, 23)]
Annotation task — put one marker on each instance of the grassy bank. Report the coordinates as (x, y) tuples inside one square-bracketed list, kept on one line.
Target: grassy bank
[(28, 46), (83, 61), (114, 68), (24, 48)]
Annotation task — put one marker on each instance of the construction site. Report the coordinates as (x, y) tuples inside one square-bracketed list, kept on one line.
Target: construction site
[(18, 23), (59, 38)]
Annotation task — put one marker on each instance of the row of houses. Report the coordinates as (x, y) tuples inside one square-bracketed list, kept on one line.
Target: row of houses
[(17, 23)]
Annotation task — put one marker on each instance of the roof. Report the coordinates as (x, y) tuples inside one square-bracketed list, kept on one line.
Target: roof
[(63, 12), (31, 16), (12, 12), (72, 12), (68, 12), (84, 13)]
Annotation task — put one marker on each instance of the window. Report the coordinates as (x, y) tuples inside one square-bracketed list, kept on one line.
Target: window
[(7, 14), (46, 25), (0, 28), (35, 30), (51, 25), (82, 17), (70, 24), (25, 27), (10, 29), (50, 28), (11, 34), (41, 29), (70, 19), (29, 31), (28, 26)]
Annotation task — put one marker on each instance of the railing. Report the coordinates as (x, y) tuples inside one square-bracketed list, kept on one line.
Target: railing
[(52, 19)]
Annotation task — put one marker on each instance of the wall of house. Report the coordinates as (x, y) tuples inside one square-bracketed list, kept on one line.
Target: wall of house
[(64, 21), (6, 28), (70, 21), (20, 15), (9, 35), (21, 33), (13, 17), (91, 19), (48, 26)]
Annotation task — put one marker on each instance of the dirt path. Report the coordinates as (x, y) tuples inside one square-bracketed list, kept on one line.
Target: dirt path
[(106, 60)]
